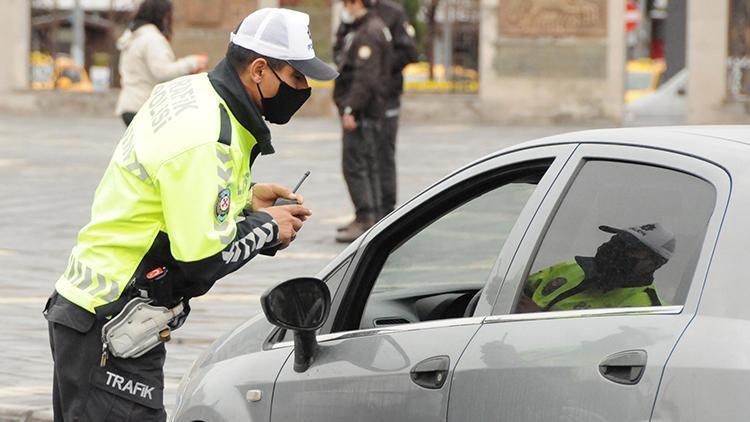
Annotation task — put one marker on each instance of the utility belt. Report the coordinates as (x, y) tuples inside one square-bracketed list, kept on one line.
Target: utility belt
[(143, 317)]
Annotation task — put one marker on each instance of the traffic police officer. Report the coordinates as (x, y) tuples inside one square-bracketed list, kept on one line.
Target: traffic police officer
[(621, 274), (360, 92), (176, 210), (404, 51)]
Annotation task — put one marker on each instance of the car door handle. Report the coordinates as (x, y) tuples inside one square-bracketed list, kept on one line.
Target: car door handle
[(624, 367), (431, 372)]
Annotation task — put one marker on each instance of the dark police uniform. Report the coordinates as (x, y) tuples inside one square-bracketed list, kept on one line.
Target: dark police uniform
[(175, 197), (404, 51), (364, 63)]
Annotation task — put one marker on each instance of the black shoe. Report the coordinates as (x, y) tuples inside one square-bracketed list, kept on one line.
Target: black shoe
[(346, 226), (355, 230)]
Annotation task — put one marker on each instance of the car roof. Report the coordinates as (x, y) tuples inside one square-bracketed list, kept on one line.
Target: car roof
[(724, 145), (727, 146)]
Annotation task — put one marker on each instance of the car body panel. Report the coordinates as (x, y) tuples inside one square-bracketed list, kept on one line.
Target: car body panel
[(206, 392), (706, 377), (548, 369), (666, 105), (524, 358), (696, 352), (369, 376)]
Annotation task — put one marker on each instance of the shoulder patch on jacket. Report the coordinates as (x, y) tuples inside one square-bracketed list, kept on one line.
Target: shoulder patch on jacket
[(364, 52), (225, 133), (387, 34), (410, 29)]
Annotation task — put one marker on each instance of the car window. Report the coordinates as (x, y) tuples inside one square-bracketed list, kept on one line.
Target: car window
[(624, 235), (435, 272)]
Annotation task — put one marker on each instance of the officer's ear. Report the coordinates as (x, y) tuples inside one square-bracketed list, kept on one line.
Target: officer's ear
[(256, 69)]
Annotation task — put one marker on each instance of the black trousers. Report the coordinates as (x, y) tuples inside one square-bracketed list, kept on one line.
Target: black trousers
[(122, 390), (360, 168), (386, 156)]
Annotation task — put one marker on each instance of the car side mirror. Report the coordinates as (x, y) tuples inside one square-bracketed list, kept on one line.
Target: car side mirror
[(301, 305)]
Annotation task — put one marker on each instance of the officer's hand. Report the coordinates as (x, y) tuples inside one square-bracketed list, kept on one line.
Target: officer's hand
[(265, 193), (289, 218), (348, 122)]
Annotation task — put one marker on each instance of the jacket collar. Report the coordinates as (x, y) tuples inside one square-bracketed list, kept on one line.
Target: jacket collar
[(361, 20), (228, 85)]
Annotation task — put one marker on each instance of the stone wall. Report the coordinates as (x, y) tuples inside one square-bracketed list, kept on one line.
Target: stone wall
[(707, 61), (15, 24), (203, 26), (551, 60)]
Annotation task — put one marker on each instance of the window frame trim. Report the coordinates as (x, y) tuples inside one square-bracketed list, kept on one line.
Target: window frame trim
[(378, 247), (586, 313), (689, 164), (558, 154), (400, 328)]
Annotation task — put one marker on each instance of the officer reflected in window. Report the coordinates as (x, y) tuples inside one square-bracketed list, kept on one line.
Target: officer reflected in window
[(620, 274)]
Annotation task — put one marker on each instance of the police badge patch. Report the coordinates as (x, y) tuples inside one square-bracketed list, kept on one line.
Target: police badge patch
[(221, 209), (554, 285), (364, 52)]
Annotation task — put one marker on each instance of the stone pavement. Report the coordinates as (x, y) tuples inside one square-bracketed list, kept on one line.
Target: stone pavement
[(50, 167)]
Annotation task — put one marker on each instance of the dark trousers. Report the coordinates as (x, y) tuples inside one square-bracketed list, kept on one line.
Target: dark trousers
[(386, 156), (82, 390), (360, 168), (127, 117)]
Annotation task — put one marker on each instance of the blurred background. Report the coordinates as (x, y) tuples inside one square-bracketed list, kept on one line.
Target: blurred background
[(493, 61)]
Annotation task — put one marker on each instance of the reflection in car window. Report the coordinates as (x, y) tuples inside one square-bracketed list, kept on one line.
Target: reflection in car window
[(460, 247), (436, 271), (625, 235)]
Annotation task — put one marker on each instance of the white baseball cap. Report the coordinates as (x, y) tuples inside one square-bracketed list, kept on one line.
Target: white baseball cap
[(654, 236), (283, 34)]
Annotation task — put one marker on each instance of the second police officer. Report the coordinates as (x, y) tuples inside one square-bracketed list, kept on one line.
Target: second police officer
[(373, 44)]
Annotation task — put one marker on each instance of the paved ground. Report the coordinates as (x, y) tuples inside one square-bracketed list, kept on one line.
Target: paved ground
[(49, 169)]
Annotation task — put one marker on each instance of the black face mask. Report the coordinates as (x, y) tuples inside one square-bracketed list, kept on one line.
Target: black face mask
[(281, 107), (615, 265)]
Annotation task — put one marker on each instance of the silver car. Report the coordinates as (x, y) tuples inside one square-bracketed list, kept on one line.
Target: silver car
[(474, 300)]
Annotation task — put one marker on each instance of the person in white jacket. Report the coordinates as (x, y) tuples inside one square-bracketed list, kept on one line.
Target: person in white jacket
[(146, 57)]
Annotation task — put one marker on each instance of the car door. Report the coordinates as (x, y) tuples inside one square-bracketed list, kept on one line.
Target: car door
[(416, 293), (594, 362)]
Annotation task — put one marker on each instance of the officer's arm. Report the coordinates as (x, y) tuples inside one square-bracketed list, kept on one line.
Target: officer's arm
[(341, 32), (201, 210), (404, 45), (367, 68), (161, 62)]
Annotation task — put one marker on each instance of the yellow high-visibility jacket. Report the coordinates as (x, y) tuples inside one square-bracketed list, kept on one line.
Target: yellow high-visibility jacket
[(175, 197)]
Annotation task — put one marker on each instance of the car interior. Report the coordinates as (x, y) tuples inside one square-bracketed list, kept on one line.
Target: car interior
[(404, 306), (420, 286)]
